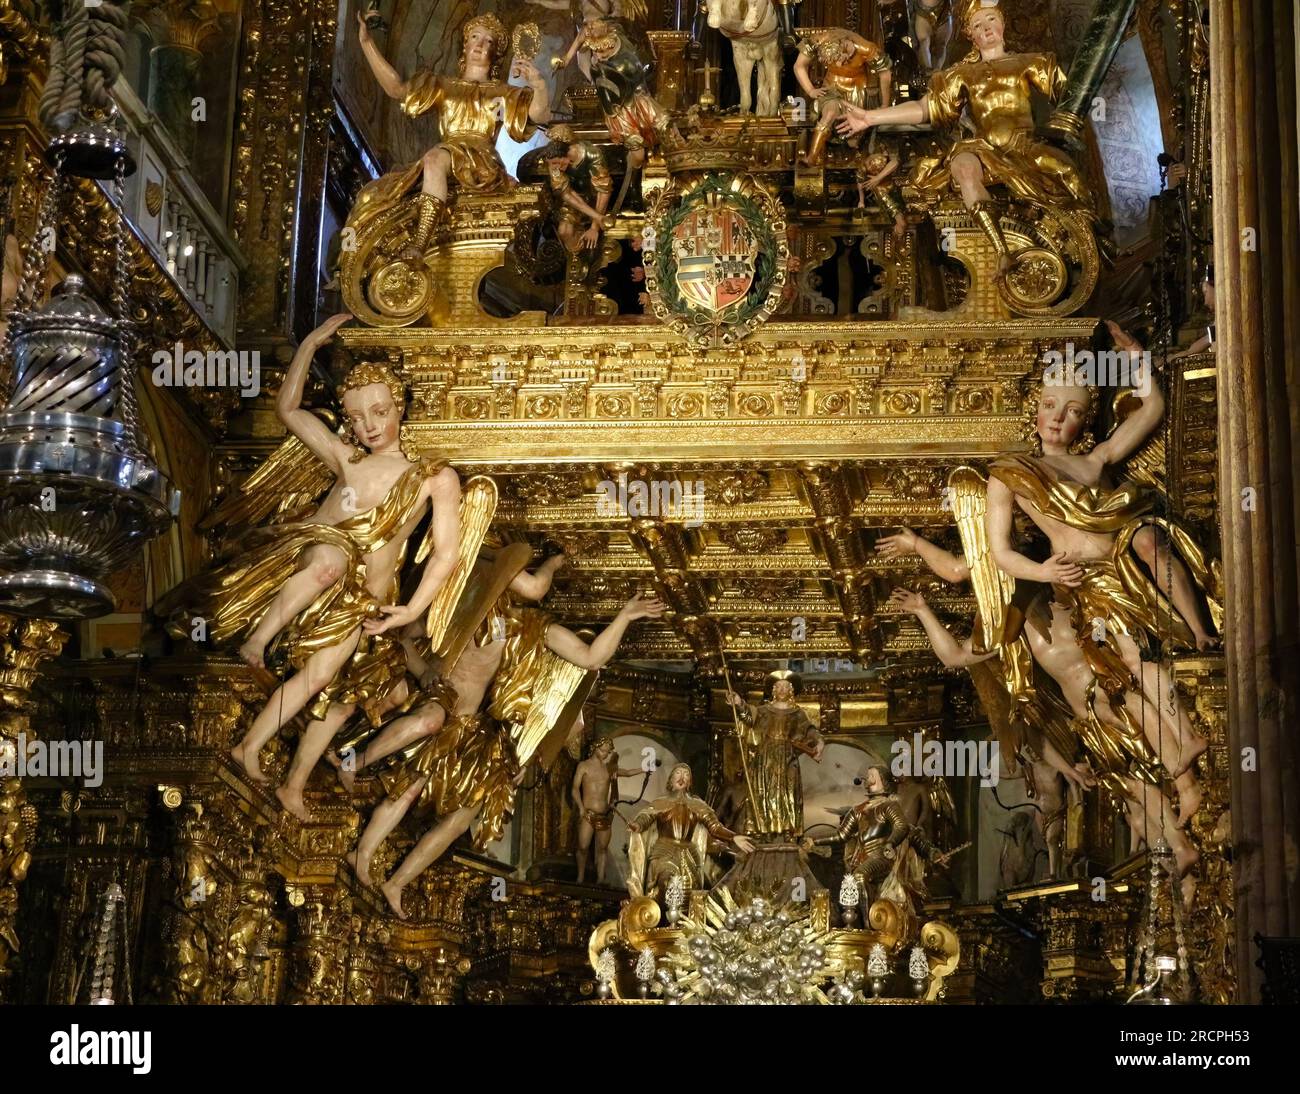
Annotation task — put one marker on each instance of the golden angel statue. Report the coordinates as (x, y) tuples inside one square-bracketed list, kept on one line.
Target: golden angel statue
[(773, 735), (993, 89), (318, 581), (1126, 585), (385, 664), (511, 696), (670, 838), (471, 110), (1030, 720)]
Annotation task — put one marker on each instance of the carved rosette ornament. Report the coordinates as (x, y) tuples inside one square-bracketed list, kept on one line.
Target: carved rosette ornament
[(715, 253)]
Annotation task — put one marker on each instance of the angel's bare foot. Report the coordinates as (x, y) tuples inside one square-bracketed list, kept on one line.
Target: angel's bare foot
[(1193, 745), (1189, 797), (361, 869), (252, 653), (249, 762), (293, 802), (347, 772), (393, 894), (1204, 641)]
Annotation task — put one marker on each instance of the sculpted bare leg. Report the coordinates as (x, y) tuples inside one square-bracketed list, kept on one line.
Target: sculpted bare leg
[(431, 846), (602, 854), (311, 746), (1152, 818), (585, 832), (437, 163), (387, 815), (288, 700), (323, 567), (1174, 581)]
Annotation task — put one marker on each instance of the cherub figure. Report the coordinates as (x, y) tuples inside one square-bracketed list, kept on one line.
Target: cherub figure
[(318, 580)]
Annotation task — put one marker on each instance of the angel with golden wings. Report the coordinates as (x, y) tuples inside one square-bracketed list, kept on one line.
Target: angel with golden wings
[(1031, 724), (317, 582), (1126, 586), (510, 696)]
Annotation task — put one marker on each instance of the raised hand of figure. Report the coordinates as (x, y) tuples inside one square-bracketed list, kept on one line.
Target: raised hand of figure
[(363, 31), (528, 72), (1177, 172), (327, 329), (734, 699), (900, 226), (1061, 570), (590, 238), (806, 843), (908, 600), (1123, 340), (644, 607), (744, 843), (395, 615), (902, 542)]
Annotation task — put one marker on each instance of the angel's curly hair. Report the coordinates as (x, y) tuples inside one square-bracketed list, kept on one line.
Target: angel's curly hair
[(1085, 442), (372, 372)]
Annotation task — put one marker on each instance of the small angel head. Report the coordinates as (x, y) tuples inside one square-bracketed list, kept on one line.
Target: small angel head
[(374, 399), (1065, 413), (601, 747)]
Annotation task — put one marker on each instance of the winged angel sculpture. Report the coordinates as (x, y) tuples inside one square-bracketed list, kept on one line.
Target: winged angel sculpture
[(312, 547), (1122, 588)]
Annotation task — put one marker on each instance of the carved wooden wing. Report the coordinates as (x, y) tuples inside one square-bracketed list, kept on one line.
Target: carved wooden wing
[(1147, 464), (282, 487), (478, 505), (559, 691), (967, 489)]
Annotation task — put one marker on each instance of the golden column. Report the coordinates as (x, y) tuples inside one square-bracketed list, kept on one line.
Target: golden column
[(24, 645), (1257, 260)]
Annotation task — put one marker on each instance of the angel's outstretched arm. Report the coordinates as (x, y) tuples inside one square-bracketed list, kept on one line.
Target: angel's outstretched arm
[(945, 564), (302, 423), (385, 74), (954, 654), (1133, 431), (573, 649), (536, 585)]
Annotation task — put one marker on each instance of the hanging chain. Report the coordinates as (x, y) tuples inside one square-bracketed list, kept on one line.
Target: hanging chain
[(121, 309)]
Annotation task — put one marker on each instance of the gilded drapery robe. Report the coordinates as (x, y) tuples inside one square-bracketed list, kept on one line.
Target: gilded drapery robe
[(1118, 592), (996, 94), (773, 739), (470, 117)]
